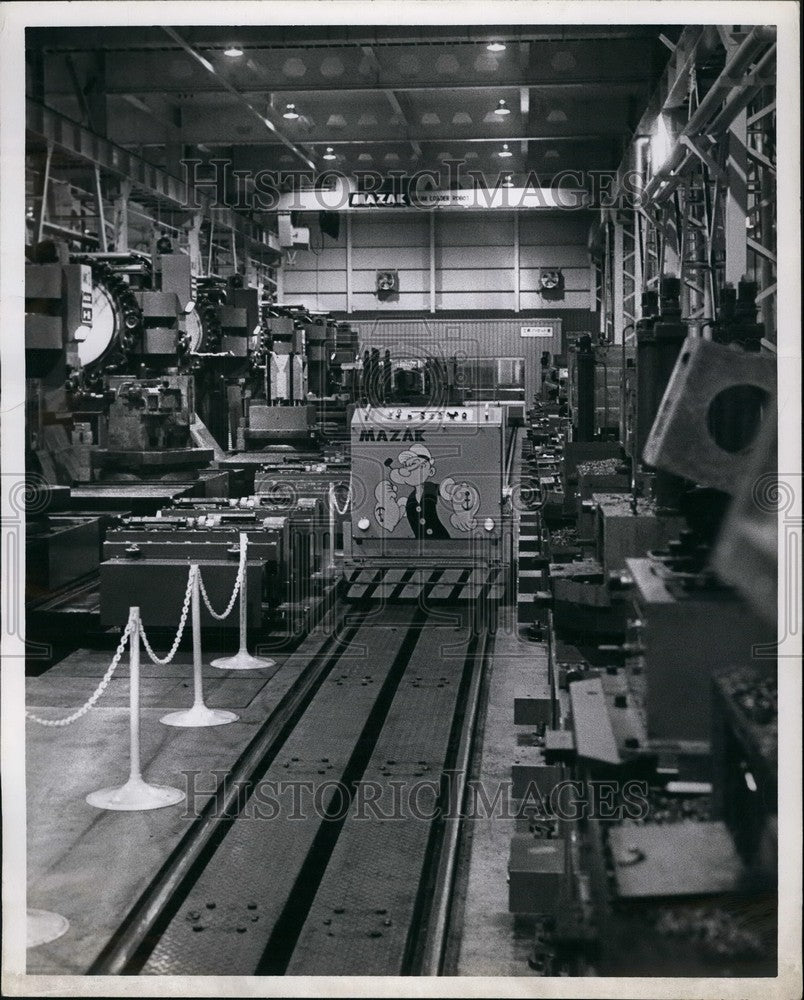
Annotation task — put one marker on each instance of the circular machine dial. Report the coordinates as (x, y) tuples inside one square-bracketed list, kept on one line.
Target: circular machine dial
[(106, 321)]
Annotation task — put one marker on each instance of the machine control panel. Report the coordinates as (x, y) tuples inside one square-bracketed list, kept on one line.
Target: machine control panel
[(429, 415)]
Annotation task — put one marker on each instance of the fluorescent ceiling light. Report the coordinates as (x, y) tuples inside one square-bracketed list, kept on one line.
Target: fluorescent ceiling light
[(234, 52), (496, 47)]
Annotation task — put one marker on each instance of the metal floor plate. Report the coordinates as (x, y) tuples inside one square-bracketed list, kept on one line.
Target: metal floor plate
[(227, 919), (361, 918)]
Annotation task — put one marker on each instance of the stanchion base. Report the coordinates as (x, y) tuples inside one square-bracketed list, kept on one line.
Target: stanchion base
[(242, 660), (135, 795), (199, 715), (44, 926)]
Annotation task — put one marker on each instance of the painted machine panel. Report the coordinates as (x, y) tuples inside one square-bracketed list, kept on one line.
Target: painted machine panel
[(427, 474)]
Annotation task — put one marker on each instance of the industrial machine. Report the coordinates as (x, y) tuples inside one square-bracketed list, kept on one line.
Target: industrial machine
[(284, 558), (653, 580), (299, 395)]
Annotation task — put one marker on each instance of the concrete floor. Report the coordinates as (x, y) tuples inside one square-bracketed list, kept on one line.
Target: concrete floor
[(493, 941), (73, 847), (91, 865)]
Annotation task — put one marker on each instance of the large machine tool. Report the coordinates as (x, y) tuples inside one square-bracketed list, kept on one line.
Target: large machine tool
[(427, 494), (146, 558)]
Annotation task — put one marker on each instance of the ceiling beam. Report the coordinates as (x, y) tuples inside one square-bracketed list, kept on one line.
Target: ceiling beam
[(86, 118), (393, 100), (524, 92), (173, 123), (145, 72), (494, 140), (203, 61), (330, 36)]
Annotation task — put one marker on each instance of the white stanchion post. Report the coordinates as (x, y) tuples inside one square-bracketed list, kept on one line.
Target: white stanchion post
[(242, 659), (42, 926), (199, 714), (332, 567), (136, 794)]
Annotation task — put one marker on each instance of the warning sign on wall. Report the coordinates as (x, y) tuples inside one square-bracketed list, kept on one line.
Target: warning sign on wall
[(544, 330)]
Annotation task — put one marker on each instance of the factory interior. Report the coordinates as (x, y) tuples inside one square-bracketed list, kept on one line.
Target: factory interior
[(401, 504)]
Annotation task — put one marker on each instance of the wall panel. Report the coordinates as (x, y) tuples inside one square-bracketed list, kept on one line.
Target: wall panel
[(449, 258), (474, 230), (300, 282), (553, 255), (471, 280), (408, 301), (378, 258), (404, 229), (474, 258), (571, 300)]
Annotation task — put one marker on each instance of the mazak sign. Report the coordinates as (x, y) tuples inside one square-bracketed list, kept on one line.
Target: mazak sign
[(405, 434), (379, 199)]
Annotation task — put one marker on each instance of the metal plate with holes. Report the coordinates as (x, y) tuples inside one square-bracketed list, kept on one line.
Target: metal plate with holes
[(361, 919), (705, 371), (225, 923)]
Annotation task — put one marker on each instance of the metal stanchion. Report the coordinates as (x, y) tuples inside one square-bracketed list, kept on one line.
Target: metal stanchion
[(43, 926), (135, 794), (242, 659), (199, 714), (332, 567)]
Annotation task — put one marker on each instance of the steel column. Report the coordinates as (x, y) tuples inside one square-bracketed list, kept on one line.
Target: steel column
[(736, 202)]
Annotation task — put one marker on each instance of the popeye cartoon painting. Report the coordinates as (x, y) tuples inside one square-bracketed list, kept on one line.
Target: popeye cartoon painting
[(415, 468)]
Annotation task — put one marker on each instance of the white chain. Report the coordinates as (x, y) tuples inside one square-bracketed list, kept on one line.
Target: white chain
[(182, 622), (104, 683), (348, 500), (241, 570), (98, 691)]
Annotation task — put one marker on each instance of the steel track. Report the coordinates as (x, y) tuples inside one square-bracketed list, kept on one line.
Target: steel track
[(332, 891)]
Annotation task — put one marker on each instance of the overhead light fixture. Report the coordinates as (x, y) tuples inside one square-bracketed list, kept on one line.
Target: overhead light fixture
[(508, 182), (234, 52), (496, 47), (505, 151), (290, 111), (330, 154), (502, 108)]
